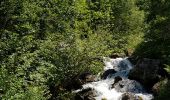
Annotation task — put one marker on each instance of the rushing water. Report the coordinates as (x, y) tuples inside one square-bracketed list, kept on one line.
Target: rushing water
[(105, 89)]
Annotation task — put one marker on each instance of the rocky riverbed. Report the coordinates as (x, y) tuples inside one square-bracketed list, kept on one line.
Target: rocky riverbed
[(121, 80)]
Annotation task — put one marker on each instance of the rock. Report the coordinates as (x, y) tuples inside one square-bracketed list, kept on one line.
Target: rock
[(157, 87), (146, 72), (133, 59), (117, 55), (73, 84), (116, 80), (128, 52), (86, 77), (127, 85), (130, 96), (114, 55), (79, 80), (86, 94), (107, 73)]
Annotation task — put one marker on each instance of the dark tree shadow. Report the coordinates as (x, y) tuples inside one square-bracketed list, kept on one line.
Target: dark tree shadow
[(156, 42)]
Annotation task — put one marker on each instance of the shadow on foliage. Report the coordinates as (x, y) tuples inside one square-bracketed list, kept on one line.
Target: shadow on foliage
[(156, 42)]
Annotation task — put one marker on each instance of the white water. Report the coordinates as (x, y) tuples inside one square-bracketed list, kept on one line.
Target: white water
[(104, 87)]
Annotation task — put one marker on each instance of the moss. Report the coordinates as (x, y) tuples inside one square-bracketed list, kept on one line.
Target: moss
[(164, 92)]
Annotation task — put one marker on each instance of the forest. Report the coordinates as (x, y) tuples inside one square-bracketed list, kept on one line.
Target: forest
[(46, 43)]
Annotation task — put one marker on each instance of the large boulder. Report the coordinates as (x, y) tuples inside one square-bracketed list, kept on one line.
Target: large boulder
[(107, 73), (126, 85), (147, 72)]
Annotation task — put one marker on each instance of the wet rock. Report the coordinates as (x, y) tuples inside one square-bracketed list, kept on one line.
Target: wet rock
[(117, 55), (86, 94), (114, 55), (147, 72), (133, 59), (127, 85), (130, 96), (116, 80), (79, 80), (87, 77), (107, 73)]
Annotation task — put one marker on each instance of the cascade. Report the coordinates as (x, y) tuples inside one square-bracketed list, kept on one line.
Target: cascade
[(117, 86)]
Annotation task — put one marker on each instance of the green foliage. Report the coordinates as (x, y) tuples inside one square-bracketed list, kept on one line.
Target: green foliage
[(164, 92), (127, 24), (165, 88), (156, 42), (167, 68), (46, 42)]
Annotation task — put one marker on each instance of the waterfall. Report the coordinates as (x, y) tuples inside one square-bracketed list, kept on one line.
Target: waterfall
[(117, 85)]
